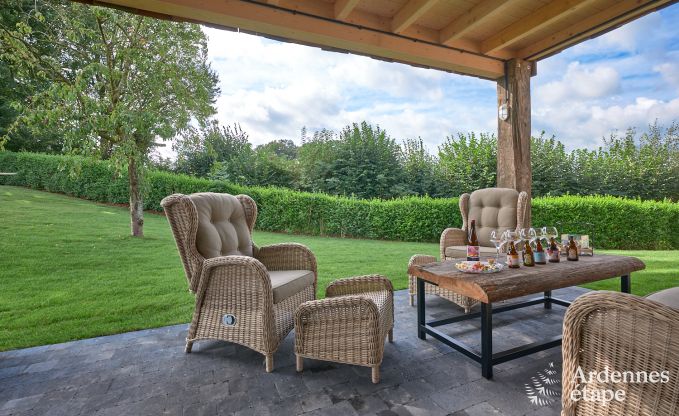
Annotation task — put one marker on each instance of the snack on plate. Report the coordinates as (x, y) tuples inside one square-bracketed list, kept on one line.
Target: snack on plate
[(477, 267)]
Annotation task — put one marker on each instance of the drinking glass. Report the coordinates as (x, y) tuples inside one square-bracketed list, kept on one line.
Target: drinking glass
[(550, 232), (497, 238), (528, 235), (512, 236)]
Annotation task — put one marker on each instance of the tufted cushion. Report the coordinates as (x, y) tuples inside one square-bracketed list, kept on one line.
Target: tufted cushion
[(222, 228), (286, 283), (669, 297), (492, 208)]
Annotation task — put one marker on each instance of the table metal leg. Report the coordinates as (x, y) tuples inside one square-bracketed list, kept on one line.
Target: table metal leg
[(420, 309), (548, 299), (626, 283), (487, 340)]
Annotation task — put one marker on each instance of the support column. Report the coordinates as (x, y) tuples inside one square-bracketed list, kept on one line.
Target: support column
[(513, 143)]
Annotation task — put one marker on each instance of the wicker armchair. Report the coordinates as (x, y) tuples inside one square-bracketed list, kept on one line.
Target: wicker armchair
[(618, 332), (492, 208), (244, 294)]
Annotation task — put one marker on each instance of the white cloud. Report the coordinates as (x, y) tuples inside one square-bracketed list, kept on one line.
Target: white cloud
[(580, 82)]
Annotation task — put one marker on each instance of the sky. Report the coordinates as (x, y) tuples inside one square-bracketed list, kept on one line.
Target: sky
[(626, 78)]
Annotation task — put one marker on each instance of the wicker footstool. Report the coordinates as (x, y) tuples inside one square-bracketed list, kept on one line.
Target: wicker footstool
[(348, 326)]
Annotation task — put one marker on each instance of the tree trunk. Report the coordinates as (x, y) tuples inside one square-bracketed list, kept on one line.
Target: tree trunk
[(136, 199)]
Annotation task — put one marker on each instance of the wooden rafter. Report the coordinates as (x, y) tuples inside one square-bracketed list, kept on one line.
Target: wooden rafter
[(344, 7), (530, 24), (409, 14), (470, 19), (593, 25), (258, 18)]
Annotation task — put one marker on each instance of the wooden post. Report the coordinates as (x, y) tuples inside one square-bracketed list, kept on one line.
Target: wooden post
[(513, 143)]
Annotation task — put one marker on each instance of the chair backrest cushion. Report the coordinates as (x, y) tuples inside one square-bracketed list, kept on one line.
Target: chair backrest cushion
[(493, 208), (222, 226)]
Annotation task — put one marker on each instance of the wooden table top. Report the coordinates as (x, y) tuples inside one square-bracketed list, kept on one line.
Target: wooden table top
[(512, 283)]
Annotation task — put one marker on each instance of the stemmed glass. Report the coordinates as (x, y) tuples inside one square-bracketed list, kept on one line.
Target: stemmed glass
[(497, 237), (529, 235), (549, 233)]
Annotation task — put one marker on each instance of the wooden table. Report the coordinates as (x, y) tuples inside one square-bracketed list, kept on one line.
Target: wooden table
[(510, 284)]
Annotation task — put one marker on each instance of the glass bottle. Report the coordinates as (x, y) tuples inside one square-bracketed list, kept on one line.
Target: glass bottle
[(553, 251), (572, 249), (473, 249), (512, 256), (528, 256), (539, 255)]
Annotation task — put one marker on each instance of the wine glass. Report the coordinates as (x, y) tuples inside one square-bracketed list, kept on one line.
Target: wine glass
[(497, 238), (550, 232), (528, 235)]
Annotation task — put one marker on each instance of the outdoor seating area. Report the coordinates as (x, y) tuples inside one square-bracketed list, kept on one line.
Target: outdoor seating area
[(511, 312)]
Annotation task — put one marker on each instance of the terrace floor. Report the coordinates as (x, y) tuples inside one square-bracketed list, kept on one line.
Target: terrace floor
[(148, 373)]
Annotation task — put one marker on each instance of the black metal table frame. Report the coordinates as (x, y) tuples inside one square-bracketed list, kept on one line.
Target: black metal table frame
[(487, 358)]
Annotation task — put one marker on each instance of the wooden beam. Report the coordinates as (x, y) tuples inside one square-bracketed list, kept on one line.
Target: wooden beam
[(344, 7), (530, 24), (594, 25), (273, 2), (257, 18), (513, 141), (470, 19), (409, 14)]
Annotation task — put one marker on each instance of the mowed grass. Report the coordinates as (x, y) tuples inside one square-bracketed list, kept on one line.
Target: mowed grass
[(69, 270)]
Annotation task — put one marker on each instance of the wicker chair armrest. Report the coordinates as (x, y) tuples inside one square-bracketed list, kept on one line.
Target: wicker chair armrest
[(359, 284), (451, 237), (611, 330), (420, 259), (287, 256), (247, 272)]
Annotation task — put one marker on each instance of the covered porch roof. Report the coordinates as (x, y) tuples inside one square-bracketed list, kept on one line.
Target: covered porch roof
[(469, 37)]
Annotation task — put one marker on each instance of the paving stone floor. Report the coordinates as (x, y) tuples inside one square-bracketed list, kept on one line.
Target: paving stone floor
[(148, 373)]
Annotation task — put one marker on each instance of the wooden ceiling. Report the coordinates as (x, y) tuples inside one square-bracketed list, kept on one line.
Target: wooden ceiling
[(471, 37)]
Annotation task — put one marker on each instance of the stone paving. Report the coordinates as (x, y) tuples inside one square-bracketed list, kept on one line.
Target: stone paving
[(148, 373)]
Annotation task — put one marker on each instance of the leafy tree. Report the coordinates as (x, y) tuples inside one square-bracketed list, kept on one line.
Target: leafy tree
[(117, 82), (422, 176), (316, 157), (283, 148), (468, 162), (552, 167), (13, 93), (200, 148)]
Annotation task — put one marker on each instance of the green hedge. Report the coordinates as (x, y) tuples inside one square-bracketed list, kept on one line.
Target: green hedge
[(616, 222)]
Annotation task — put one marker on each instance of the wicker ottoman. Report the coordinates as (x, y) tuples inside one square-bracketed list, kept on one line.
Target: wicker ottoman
[(348, 326)]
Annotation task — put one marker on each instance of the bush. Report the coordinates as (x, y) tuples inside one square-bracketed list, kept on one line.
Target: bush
[(616, 222)]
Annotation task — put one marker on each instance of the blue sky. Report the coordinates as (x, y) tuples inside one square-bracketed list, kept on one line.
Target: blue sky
[(626, 78)]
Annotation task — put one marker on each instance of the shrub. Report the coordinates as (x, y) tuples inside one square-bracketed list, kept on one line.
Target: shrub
[(615, 222)]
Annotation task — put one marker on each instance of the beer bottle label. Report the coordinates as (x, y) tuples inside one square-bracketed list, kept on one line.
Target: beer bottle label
[(512, 259), (539, 256), (473, 252)]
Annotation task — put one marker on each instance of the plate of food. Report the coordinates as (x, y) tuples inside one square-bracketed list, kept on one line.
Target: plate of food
[(479, 266)]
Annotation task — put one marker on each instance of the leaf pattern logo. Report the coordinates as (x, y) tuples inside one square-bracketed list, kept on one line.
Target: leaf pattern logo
[(541, 389)]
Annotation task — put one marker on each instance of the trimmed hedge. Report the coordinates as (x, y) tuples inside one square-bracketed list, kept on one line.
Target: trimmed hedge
[(616, 222)]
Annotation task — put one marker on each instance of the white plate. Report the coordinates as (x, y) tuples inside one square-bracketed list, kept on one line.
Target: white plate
[(465, 267)]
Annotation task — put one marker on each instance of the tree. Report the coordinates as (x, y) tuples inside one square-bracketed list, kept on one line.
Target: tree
[(283, 148), (200, 148), (468, 162), (420, 167), (117, 82)]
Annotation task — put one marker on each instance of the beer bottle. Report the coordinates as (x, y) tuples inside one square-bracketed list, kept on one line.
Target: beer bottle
[(572, 249), (528, 257), (554, 252), (512, 256), (473, 249), (539, 255)]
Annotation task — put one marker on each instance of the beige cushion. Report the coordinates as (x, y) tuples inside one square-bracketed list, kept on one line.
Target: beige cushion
[(222, 228), (460, 252), (492, 208), (286, 283), (669, 297)]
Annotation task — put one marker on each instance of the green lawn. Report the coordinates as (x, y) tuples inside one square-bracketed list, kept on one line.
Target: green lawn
[(68, 269)]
